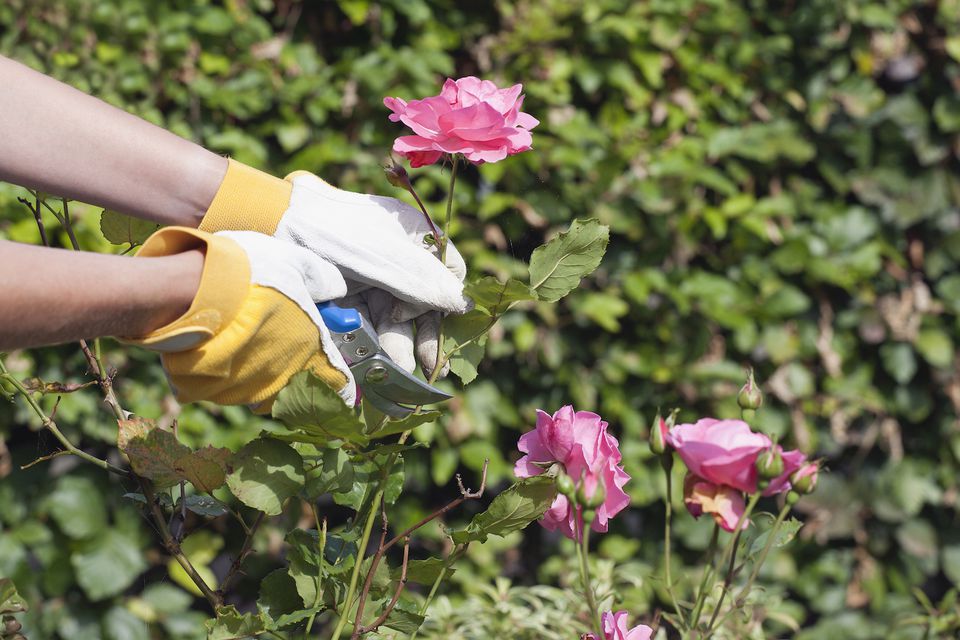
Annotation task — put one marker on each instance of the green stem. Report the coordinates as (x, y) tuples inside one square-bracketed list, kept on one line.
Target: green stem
[(441, 358), (323, 545), (763, 554), (707, 576), (454, 163), (731, 552), (455, 555), (584, 555), (668, 503), (364, 541), (52, 427)]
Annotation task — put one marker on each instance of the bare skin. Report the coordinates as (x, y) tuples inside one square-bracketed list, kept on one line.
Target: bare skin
[(62, 141), (56, 295)]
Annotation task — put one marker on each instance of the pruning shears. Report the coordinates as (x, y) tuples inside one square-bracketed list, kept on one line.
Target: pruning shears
[(388, 387)]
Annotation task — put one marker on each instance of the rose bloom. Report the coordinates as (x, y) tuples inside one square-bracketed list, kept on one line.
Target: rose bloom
[(615, 628), (724, 503), (579, 441), (725, 452), (472, 117)]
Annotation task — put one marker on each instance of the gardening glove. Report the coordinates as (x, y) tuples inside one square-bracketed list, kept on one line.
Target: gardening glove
[(253, 323), (376, 242)]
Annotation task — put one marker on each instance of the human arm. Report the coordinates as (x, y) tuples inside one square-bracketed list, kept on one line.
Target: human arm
[(60, 140), (51, 296)]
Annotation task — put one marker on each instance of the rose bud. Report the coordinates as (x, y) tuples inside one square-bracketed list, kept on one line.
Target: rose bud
[(804, 479), (770, 463), (397, 175), (658, 434), (595, 500), (565, 486), (750, 397)]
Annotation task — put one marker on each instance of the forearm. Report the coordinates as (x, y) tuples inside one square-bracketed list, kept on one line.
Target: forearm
[(51, 296), (62, 141)]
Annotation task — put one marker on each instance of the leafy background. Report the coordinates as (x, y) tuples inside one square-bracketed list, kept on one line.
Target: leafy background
[(781, 184)]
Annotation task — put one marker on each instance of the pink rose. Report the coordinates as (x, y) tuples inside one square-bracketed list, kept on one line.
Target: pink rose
[(615, 628), (579, 441), (723, 452), (724, 503), (470, 116)]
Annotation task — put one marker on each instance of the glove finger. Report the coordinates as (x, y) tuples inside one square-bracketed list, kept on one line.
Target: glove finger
[(427, 343), (396, 338)]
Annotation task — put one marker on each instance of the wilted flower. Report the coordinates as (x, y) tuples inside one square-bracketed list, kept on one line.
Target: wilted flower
[(472, 117), (615, 628), (724, 503), (579, 441)]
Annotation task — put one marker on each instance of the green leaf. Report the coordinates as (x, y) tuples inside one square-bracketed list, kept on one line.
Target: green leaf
[(278, 595), (557, 267), (77, 507), (201, 549), (785, 533), (205, 506), (402, 620), (120, 229), (231, 625), (471, 329), (333, 475), (264, 473), (423, 571), (107, 564), (936, 347), (512, 510), (309, 405), (120, 624), (899, 361), (10, 600), (393, 427), (156, 454), (603, 308), (494, 297), (366, 476), (305, 562)]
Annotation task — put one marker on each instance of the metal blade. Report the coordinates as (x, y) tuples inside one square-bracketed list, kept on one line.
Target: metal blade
[(384, 382)]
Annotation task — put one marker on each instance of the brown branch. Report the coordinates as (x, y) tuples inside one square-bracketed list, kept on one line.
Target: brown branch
[(373, 626), (173, 547), (245, 550), (38, 218), (465, 494)]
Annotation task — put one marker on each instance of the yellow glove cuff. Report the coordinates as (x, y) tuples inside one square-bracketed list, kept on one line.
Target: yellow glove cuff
[(223, 288), (241, 363), (247, 200)]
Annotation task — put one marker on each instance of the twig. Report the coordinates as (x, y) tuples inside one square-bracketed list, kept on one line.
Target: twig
[(373, 626), (454, 555), (368, 581), (465, 494), (49, 456), (38, 217), (50, 425), (245, 550), (172, 547)]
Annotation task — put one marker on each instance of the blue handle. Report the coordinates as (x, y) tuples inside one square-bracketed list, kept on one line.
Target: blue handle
[(338, 319)]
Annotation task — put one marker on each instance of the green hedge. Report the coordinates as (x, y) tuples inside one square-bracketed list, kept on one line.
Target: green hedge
[(781, 182)]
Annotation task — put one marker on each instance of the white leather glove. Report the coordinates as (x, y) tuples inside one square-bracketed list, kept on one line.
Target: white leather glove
[(376, 242)]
